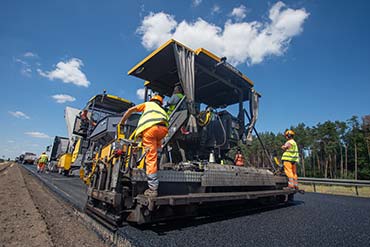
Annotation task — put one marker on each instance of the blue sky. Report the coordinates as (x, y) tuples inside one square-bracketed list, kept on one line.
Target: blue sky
[(310, 60)]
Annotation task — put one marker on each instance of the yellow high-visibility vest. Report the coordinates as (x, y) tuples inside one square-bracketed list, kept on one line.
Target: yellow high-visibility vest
[(43, 158), (152, 115), (171, 108), (291, 154)]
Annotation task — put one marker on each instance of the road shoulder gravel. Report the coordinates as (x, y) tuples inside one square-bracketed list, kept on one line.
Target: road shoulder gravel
[(21, 222), (31, 215)]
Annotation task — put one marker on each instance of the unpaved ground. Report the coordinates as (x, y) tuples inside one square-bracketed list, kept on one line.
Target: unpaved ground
[(21, 223), (30, 215)]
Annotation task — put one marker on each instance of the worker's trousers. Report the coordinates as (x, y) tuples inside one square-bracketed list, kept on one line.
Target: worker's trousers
[(152, 140), (41, 167), (290, 169)]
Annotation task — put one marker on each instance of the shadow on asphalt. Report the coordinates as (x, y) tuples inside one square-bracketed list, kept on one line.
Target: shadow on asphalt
[(211, 215)]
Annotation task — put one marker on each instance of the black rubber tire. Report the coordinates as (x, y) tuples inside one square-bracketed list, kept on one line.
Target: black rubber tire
[(66, 173)]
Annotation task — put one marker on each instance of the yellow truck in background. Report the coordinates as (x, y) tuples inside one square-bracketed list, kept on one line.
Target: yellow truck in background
[(67, 159)]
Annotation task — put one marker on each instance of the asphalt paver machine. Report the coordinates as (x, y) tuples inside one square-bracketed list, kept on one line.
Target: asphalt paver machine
[(192, 167), (96, 129)]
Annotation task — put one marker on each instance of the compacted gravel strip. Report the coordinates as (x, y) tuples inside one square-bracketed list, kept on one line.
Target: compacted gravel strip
[(64, 226), (30, 215), (21, 224)]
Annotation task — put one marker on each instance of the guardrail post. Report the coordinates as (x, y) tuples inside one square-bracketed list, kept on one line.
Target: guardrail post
[(337, 186)]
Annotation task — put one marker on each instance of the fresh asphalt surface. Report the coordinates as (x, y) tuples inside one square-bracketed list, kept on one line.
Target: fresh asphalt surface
[(71, 189), (312, 220)]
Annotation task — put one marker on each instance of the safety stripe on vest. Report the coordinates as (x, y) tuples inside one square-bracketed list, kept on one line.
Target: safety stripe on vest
[(153, 120), (292, 159), (155, 111), (292, 154)]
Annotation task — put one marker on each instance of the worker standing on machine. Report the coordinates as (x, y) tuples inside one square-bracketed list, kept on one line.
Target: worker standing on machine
[(177, 95), (239, 158), (42, 160), (86, 123), (290, 159), (153, 127)]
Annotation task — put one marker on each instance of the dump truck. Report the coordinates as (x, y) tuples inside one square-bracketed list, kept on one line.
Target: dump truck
[(29, 158), (71, 152), (59, 147), (193, 170)]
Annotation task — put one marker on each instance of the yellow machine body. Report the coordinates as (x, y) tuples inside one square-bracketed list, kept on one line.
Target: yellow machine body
[(76, 150), (107, 157), (65, 161)]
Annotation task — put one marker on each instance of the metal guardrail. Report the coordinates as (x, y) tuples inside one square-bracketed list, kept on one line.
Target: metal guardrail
[(341, 182), (360, 188)]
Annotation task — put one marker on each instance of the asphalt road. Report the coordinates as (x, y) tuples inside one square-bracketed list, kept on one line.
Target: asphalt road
[(312, 220), (71, 189)]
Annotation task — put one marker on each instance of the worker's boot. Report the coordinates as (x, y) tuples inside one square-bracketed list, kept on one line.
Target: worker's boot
[(151, 193)]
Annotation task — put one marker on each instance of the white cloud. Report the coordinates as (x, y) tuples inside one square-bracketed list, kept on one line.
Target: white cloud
[(196, 3), (25, 67), (30, 54), (37, 134), (140, 93), (26, 71), (241, 42), (19, 114), (240, 12), (63, 98), (156, 28), (11, 141), (18, 60), (215, 9), (68, 72)]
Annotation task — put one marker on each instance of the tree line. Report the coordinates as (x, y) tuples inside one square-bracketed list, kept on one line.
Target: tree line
[(339, 149)]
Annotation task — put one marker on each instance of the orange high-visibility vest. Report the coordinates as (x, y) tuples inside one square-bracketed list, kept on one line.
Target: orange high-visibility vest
[(239, 160)]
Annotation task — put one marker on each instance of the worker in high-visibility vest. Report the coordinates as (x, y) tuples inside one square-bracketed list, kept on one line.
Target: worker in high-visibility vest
[(86, 123), (290, 159), (239, 158), (152, 127), (42, 160), (176, 97)]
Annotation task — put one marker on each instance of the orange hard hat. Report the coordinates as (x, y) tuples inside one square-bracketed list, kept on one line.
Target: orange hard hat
[(289, 133), (157, 98)]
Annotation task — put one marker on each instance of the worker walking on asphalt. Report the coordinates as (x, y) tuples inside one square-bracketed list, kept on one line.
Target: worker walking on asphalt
[(177, 95), (290, 159), (43, 159), (239, 158), (152, 127)]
